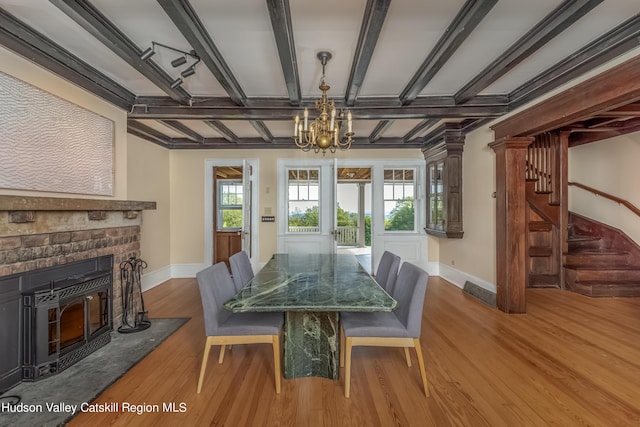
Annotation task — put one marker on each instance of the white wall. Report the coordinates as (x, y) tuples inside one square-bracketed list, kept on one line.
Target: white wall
[(610, 166)]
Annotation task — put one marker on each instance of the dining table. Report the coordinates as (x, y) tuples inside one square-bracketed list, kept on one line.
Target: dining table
[(311, 290)]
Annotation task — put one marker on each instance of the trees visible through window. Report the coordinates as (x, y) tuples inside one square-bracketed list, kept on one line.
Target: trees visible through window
[(229, 204), (303, 200), (399, 196)]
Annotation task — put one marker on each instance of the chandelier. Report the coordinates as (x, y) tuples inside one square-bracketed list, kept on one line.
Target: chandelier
[(324, 132)]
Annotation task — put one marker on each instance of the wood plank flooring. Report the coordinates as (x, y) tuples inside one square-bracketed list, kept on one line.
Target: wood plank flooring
[(570, 361)]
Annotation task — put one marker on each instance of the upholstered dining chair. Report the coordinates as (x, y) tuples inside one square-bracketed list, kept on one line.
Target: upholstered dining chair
[(400, 328), (387, 271), (241, 269), (225, 328)]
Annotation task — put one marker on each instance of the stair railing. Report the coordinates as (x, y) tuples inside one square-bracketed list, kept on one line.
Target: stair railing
[(539, 163), (618, 200)]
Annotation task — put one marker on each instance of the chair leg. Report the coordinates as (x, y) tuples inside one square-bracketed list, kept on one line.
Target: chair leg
[(341, 348), (347, 369), (407, 356), (423, 374), (276, 361), (203, 367), (221, 357)]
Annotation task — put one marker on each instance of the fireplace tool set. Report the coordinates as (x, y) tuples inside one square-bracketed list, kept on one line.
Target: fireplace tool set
[(134, 315)]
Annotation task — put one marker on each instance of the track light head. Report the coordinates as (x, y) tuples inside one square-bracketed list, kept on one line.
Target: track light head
[(148, 53), (181, 60), (188, 72)]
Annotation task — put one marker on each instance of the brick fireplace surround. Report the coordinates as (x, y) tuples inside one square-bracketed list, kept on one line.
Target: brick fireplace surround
[(39, 232)]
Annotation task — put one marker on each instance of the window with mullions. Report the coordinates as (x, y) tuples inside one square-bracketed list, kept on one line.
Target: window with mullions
[(435, 220), (303, 201), (229, 204), (399, 195)]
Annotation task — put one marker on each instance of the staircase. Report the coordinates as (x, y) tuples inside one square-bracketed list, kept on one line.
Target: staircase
[(601, 261)]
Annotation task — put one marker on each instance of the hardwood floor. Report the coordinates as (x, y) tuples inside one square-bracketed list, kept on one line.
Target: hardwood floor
[(570, 361)]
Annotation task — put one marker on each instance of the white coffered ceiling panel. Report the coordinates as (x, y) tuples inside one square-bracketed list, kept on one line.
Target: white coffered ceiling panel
[(410, 31)]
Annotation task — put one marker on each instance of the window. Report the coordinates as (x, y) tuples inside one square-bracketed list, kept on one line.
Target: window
[(399, 196), (229, 204), (303, 201)]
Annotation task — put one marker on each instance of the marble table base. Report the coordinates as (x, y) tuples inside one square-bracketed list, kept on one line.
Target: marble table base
[(311, 340)]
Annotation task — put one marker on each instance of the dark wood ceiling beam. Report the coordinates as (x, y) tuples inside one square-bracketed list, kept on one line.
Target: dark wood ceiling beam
[(248, 113), (280, 14), (263, 130), (610, 45), (25, 41), (471, 14), (553, 24), (423, 125), (374, 16), (380, 128), (223, 130), (148, 133), (284, 143), (576, 139), (184, 130), (89, 18), (187, 21), (284, 103)]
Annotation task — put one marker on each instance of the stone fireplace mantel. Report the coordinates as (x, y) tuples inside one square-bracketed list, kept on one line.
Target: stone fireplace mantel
[(30, 203)]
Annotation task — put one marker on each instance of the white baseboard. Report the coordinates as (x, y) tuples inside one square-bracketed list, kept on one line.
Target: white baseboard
[(179, 271), (154, 278), (458, 277)]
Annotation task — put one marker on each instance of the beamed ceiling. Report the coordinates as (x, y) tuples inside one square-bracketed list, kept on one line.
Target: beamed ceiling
[(403, 67)]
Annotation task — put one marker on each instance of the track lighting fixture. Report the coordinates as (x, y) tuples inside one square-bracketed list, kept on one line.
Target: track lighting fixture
[(179, 61)]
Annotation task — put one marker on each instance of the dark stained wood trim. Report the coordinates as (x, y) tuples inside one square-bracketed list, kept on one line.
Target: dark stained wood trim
[(610, 89), (187, 21), (380, 128), (25, 41), (263, 130), (219, 127), (372, 21), (280, 14), (286, 113), (425, 124), (183, 129), (89, 18), (511, 226), (553, 24), (621, 39), (469, 16), (576, 139)]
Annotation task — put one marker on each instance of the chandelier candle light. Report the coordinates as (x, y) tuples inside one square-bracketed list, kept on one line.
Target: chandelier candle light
[(324, 132)]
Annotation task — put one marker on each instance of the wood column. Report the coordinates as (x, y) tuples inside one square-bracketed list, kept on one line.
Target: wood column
[(511, 223)]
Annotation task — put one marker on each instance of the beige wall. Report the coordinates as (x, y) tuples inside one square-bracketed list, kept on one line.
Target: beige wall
[(610, 166), (28, 72), (475, 253), (187, 194), (148, 180)]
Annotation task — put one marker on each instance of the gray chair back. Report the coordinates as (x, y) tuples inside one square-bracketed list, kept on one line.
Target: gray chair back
[(387, 271), (216, 287), (409, 291), (241, 269)]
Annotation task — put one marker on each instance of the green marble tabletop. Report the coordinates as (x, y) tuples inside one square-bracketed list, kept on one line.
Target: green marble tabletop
[(312, 282)]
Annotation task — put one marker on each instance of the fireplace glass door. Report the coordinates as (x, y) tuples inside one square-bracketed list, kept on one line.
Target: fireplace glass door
[(71, 325), (98, 306)]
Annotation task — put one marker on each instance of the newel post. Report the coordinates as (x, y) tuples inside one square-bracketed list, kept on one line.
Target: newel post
[(511, 223)]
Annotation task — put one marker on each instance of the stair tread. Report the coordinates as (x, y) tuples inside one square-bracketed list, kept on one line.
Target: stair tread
[(582, 238), (607, 282), (604, 268), (596, 251)]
